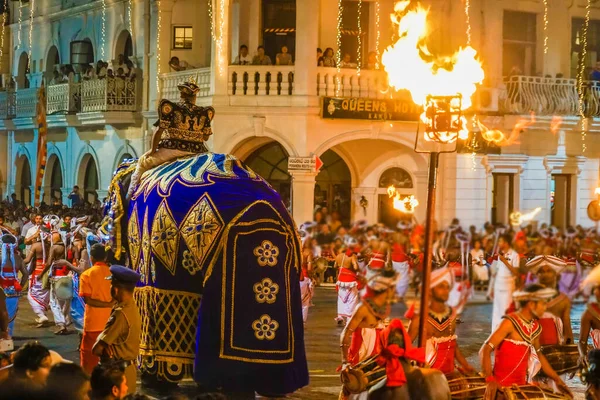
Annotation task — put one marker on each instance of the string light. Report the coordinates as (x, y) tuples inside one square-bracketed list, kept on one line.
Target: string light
[(3, 29), (545, 28), (359, 40), (217, 33), (467, 14), (158, 29), (580, 78), (473, 161), (20, 22), (31, 10), (338, 53), (102, 51), (212, 22), (129, 17), (378, 34)]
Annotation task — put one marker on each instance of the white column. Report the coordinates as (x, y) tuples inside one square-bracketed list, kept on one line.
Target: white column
[(254, 25), (370, 212), (66, 191), (166, 17), (303, 195), (307, 41), (327, 25), (219, 60)]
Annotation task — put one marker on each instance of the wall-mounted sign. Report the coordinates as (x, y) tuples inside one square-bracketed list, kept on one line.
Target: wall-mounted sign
[(313, 163), (370, 109)]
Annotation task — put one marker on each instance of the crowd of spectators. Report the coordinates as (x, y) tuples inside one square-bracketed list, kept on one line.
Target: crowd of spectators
[(122, 68)]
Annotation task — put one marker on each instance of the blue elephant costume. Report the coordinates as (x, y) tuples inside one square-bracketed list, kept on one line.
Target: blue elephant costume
[(220, 262)]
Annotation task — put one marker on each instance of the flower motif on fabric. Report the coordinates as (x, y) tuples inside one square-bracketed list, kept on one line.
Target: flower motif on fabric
[(266, 291), (265, 327), (189, 263), (266, 254)]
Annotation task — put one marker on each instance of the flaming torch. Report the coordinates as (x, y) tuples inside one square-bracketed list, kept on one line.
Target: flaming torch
[(443, 86), (406, 204)]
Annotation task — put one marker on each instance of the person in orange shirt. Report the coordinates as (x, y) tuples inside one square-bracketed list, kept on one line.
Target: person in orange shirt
[(94, 288)]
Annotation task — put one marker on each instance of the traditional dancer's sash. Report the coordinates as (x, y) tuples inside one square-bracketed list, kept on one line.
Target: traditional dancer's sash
[(440, 350)]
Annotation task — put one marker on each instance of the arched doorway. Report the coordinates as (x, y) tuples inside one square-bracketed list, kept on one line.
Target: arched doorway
[(271, 162), (22, 79), (403, 182), (52, 63), (124, 45), (53, 180), (88, 179), (333, 187), (23, 180)]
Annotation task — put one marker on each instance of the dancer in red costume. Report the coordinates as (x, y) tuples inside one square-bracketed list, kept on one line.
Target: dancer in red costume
[(516, 344), (347, 285), (590, 326), (442, 348)]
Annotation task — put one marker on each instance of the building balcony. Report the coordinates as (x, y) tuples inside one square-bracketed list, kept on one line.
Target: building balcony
[(169, 82), (63, 98)]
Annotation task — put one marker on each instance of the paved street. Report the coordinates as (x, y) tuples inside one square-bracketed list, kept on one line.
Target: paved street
[(322, 342)]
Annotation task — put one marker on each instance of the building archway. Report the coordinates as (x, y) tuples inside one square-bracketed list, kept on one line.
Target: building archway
[(53, 179), (270, 161), (52, 63), (123, 45), (88, 180), (23, 70), (403, 182), (333, 188), (23, 180)]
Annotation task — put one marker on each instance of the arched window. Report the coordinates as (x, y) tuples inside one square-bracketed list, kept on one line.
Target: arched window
[(398, 177), (52, 63), (270, 162), (22, 79), (333, 186)]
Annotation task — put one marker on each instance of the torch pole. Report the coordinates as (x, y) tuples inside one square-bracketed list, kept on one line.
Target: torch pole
[(428, 253)]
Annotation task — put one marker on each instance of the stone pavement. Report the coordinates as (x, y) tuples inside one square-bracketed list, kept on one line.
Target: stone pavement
[(322, 342)]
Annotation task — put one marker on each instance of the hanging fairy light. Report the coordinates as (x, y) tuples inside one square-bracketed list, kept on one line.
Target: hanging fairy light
[(378, 33), (580, 78), (129, 16), (103, 41), (158, 29), (473, 161), (338, 53), (19, 40), (545, 28), (217, 32), (31, 10), (359, 39), (3, 29), (468, 16)]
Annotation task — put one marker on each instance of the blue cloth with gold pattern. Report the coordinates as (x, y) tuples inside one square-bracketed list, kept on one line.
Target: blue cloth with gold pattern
[(219, 259)]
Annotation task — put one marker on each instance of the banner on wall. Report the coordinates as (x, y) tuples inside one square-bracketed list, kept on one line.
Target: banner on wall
[(370, 109)]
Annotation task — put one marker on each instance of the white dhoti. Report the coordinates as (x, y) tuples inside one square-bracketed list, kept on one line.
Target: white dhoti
[(504, 286), (39, 298), (60, 306), (347, 299), (403, 269), (306, 293)]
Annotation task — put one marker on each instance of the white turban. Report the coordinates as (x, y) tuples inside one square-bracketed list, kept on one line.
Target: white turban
[(542, 294), (441, 275), (557, 264)]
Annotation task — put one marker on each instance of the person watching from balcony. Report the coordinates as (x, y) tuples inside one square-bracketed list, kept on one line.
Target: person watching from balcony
[(243, 58), (347, 62), (319, 54), (372, 61), (595, 75), (261, 58), (110, 73), (179, 65), (284, 58), (88, 73), (120, 73), (328, 59), (57, 78), (100, 69), (121, 63)]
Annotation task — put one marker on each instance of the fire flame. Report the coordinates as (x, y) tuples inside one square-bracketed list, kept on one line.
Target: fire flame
[(516, 218), (555, 124), (500, 138), (405, 205), (411, 66)]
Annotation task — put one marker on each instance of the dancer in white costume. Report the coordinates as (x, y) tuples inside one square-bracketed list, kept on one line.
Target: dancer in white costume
[(506, 279), (347, 286)]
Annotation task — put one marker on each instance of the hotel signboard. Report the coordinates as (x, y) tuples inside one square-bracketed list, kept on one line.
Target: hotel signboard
[(370, 109)]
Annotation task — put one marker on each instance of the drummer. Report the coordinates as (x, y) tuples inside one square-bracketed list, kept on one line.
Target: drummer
[(60, 299), (556, 321), (442, 346), (516, 342)]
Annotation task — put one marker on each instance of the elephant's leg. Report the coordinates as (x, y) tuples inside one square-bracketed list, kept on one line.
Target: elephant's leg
[(396, 393)]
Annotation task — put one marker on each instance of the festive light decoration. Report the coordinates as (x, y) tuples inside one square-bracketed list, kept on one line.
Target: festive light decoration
[(359, 39), (31, 11), (405, 205), (473, 161), (338, 53), (217, 33), (4, 15), (19, 40), (378, 33), (580, 78), (103, 42), (467, 14), (129, 16), (158, 29), (516, 218), (545, 28)]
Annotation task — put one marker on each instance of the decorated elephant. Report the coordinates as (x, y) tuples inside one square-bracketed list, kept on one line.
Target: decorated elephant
[(219, 258)]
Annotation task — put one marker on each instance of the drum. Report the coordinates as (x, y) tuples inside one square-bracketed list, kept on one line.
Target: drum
[(563, 358), (63, 288), (363, 376), (467, 387), (529, 392)]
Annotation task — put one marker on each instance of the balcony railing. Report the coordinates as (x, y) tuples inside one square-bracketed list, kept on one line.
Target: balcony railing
[(347, 83), (26, 102), (260, 80), (8, 104), (109, 94), (169, 82), (64, 97)]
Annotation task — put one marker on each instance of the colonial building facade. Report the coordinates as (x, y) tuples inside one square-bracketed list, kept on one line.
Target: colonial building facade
[(269, 114)]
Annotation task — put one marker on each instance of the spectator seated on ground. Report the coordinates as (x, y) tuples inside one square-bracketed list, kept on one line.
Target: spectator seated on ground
[(109, 382), (68, 381)]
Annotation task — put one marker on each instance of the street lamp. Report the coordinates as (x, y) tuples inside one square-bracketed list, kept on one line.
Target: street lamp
[(444, 125)]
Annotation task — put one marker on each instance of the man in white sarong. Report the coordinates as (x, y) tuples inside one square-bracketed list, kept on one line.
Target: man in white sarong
[(505, 282), (347, 286), (38, 295), (400, 263)]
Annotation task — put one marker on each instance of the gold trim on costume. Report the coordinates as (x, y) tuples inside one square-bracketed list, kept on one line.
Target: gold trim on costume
[(133, 236), (266, 254), (145, 249), (265, 327), (165, 237), (266, 291)]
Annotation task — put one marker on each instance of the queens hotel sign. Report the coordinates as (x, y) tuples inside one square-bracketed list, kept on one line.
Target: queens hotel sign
[(370, 109)]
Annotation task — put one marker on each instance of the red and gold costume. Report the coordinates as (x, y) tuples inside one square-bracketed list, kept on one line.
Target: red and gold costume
[(440, 350), (552, 326)]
